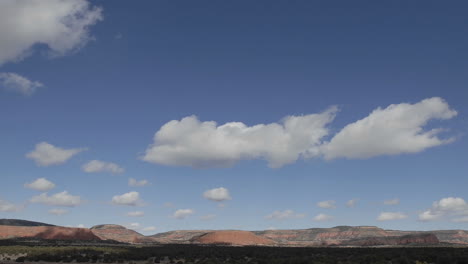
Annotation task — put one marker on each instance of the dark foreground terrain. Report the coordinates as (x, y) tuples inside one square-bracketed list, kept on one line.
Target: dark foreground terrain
[(203, 254)]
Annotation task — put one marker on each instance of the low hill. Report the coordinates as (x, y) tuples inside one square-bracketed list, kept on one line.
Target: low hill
[(19, 222), (46, 232), (119, 233), (232, 237)]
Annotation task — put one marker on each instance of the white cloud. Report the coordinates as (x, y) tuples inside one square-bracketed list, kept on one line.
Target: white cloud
[(81, 226), (323, 218), (208, 217), (190, 142), (446, 208), (136, 214), (217, 194), (46, 154), (394, 130), (62, 26), (58, 199), (183, 213), (102, 166), (392, 201), (6, 206), (388, 216), (58, 211), (330, 204), (149, 229), (135, 183), (130, 198), (41, 184), (352, 203), (19, 84), (282, 215)]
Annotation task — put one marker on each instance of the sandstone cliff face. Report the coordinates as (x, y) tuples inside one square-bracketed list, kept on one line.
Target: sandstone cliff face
[(119, 233), (322, 236), (414, 239), (179, 236), (241, 238), (47, 232)]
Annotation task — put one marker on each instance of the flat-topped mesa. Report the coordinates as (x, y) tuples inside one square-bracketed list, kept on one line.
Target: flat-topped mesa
[(19, 222), (47, 232), (233, 237), (108, 226)]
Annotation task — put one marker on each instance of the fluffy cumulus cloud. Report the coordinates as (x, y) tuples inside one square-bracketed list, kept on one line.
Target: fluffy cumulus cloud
[(183, 213), (323, 218), (46, 154), (58, 199), (330, 204), (282, 215), (190, 142), (13, 82), (6, 206), (394, 130), (352, 203), (102, 166), (388, 216), (137, 183), (41, 184), (130, 198), (217, 194), (454, 208), (136, 214), (58, 211), (61, 26), (392, 201)]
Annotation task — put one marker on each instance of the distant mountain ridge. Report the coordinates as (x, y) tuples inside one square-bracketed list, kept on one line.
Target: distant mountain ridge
[(312, 237), (19, 222)]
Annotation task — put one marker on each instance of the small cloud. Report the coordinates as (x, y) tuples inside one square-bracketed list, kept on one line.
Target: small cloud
[(41, 184), (6, 206), (282, 215), (330, 204), (102, 166), (323, 218), (57, 211), (118, 36), (217, 194), (135, 183), (16, 83), (183, 213), (392, 201), (136, 214), (130, 198), (208, 217), (388, 216), (58, 199), (46, 154), (352, 203), (81, 226), (168, 205)]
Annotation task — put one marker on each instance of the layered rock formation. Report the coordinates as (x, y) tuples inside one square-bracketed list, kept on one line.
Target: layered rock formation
[(46, 232), (119, 233), (232, 237)]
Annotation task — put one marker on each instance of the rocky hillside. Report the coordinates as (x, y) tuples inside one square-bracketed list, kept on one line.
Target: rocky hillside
[(179, 236), (119, 233), (232, 237), (46, 232)]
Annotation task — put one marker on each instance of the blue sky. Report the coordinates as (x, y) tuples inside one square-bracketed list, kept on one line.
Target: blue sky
[(234, 115)]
